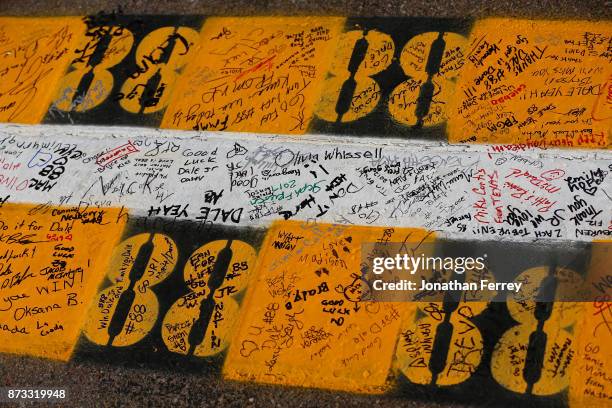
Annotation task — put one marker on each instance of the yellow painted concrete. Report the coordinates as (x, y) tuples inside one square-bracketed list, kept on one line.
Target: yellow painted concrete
[(367, 92), (510, 353), (540, 82), (103, 81), (180, 319), (591, 382), (153, 46), (129, 280), (303, 321), (415, 54), (258, 74), (34, 55), (52, 261)]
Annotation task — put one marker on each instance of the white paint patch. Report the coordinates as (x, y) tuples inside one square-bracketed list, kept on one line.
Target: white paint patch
[(252, 179)]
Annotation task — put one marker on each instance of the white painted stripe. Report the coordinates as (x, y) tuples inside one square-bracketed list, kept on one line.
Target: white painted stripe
[(435, 187)]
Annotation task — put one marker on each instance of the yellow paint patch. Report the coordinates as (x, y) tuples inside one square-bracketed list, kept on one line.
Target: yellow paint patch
[(170, 48), (52, 262), (439, 343), (93, 81), (159, 57), (34, 54), (422, 362), (350, 92), (203, 321), (543, 334), (304, 323), (257, 74), (540, 83), (591, 383), (404, 100), (125, 312)]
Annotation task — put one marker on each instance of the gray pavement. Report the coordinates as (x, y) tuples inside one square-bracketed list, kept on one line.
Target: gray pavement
[(90, 384), (581, 9)]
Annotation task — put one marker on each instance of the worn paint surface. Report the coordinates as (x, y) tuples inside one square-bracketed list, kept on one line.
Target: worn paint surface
[(124, 69), (188, 306), (241, 253), (34, 53), (173, 293), (536, 83), (53, 259), (305, 323), (393, 77), (590, 379), (260, 74), (490, 193), (458, 80)]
